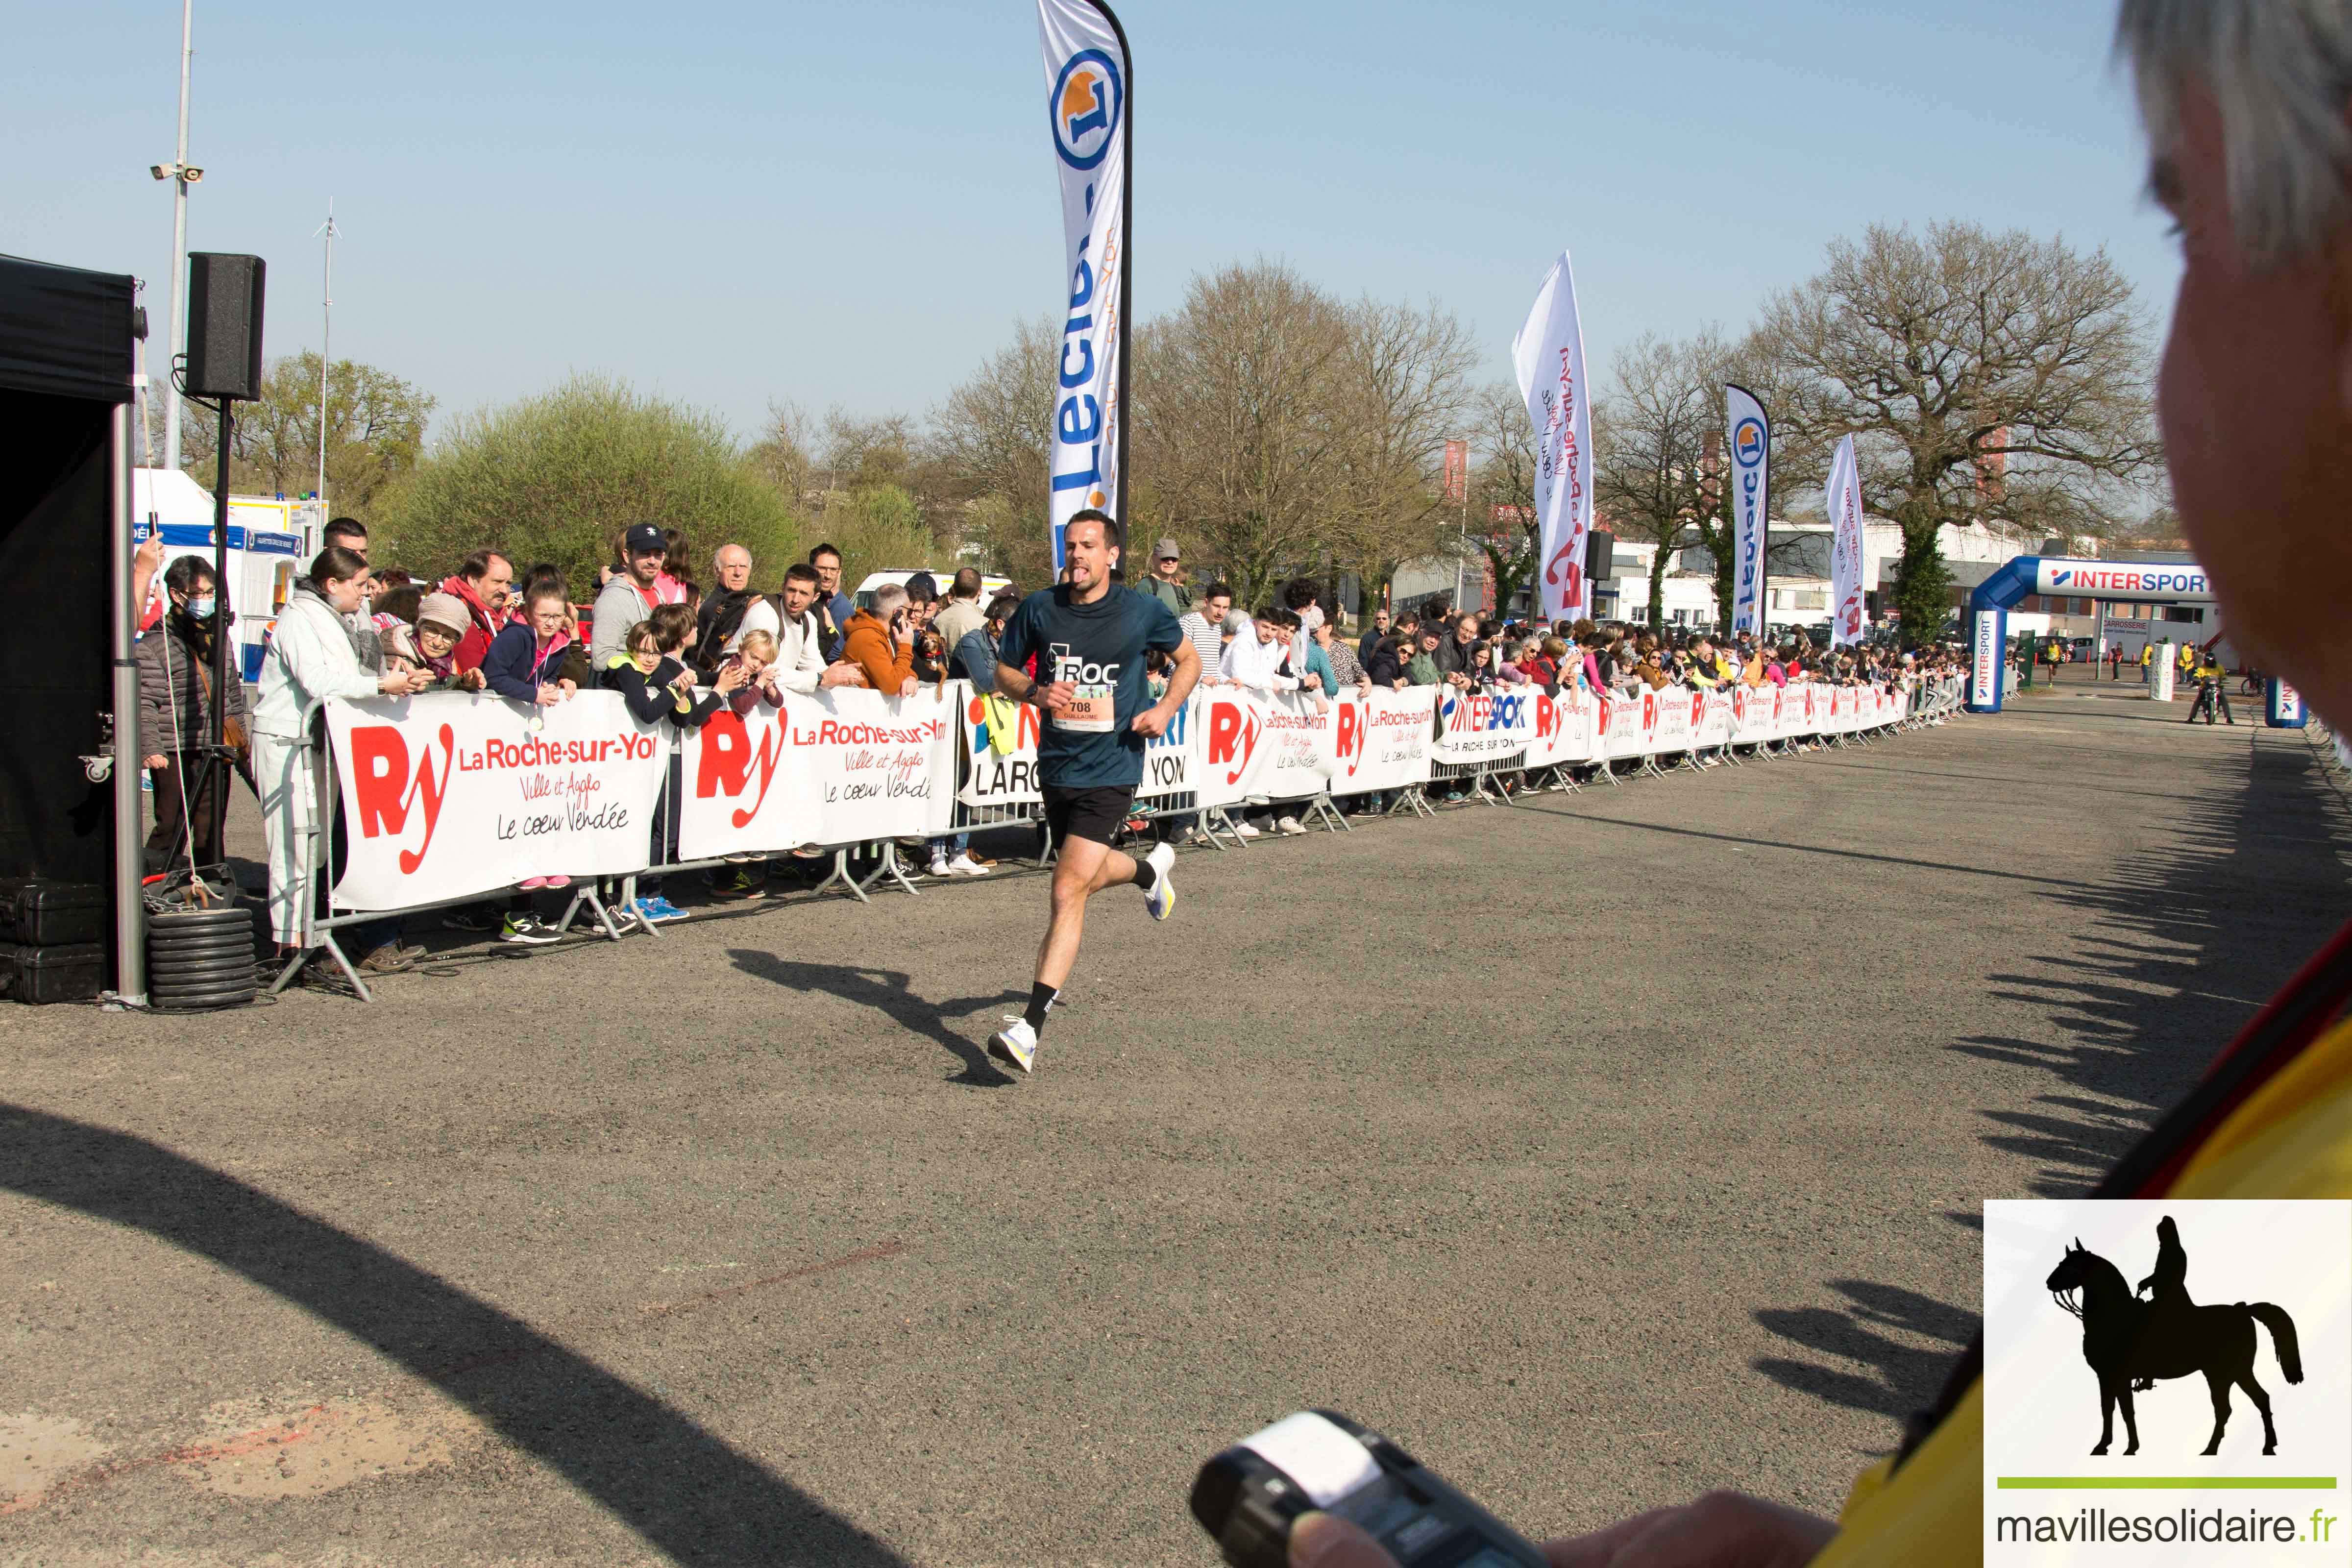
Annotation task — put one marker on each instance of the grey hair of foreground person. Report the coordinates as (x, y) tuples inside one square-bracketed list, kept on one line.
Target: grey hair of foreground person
[(2281, 74), (887, 600)]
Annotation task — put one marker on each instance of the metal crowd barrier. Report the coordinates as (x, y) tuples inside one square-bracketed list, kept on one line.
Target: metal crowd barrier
[(616, 916)]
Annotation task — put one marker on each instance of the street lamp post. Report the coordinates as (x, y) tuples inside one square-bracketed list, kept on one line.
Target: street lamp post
[(326, 331), (182, 177)]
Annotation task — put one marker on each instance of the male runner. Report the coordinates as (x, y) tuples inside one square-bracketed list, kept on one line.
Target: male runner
[(1089, 638)]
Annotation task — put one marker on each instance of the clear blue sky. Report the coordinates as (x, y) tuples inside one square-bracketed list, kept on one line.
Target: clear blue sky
[(850, 203)]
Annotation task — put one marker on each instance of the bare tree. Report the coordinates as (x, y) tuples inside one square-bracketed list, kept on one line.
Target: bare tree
[(1650, 474), (1399, 390), (1503, 489), (1984, 376), (990, 448), (781, 454), (1234, 423)]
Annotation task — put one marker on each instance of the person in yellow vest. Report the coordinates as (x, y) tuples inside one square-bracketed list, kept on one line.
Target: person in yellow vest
[(2255, 403)]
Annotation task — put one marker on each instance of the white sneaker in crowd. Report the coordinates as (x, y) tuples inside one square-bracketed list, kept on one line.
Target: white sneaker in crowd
[(1015, 1043), (1162, 899), (1242, 828), (965, 866), (1288, 825), (940, 867)]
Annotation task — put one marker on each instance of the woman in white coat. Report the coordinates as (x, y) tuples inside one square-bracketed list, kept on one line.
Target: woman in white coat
[(312, 654)]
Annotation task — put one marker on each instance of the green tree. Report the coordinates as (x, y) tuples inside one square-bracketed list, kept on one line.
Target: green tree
[(561, 476), (375, 434)]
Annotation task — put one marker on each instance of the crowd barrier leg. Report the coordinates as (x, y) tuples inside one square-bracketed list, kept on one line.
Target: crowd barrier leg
[(1217, 824), (890, 869), (841, 874), (1323, 809)]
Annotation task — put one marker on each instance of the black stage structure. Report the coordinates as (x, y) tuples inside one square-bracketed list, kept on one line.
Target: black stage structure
[(69, 806)]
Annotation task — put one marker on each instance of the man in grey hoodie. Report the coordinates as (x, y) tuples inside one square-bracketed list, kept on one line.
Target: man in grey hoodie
[(629, 598)]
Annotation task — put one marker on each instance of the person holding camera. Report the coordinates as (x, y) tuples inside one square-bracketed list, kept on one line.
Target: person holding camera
[(881, 642)]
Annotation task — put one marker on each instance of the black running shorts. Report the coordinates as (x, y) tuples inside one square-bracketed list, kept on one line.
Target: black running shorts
[(1090, 814)]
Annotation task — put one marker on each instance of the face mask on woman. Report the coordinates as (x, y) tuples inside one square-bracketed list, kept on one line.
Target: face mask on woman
[(202, 608)]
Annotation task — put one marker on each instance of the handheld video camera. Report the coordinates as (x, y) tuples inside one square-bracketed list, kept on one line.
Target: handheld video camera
[(1248, 1497)]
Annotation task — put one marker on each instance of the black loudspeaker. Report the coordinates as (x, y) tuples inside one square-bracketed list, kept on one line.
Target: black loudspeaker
[(224, 325), (1599, 556)]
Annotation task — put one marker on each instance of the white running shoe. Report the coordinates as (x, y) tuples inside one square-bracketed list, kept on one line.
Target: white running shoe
[(1015, 1043), (1289, 825), (1162, 899), (940, 867), (965, 866), (1242, 828)]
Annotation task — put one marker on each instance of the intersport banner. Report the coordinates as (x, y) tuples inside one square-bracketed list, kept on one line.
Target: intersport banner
[(1086, 104), (1843, 496), (448, 793), (1751, 503), (1483, 727), (844, 765), (1548, 357)]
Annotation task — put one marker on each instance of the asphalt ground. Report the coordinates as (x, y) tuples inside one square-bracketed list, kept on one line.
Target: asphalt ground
[(1601, 1149)]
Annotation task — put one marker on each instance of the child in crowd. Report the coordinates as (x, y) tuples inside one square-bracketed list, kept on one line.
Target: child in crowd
[(748, 676), (525, 659)]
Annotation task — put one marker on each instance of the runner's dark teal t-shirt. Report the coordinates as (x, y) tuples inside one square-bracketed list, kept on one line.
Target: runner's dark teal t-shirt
[(1098, 649)]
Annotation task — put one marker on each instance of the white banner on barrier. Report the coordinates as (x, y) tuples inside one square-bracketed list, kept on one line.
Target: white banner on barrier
[(1671, 723), (1297, 743), (1755, 715), (1624, 723), (1563, 732), (1382, 739), (1232, 751), (1171, 762), (844, 765), (1714, 726), (450, 794), (1483, 726)]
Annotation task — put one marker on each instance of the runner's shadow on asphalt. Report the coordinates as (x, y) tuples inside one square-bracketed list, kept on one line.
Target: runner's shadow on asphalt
[(1884, 1374), (890, 993), (685, 1490)]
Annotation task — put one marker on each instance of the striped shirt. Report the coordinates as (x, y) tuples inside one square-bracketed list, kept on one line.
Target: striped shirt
[(1207, 641)]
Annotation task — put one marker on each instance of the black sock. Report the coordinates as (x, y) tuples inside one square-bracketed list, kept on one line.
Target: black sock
[(1041, 998), (1147, 875)]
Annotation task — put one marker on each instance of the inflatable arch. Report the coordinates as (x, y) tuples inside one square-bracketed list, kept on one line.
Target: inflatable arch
[(2124, 582)]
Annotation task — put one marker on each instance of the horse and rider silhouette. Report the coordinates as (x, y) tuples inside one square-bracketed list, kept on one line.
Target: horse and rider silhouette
[(2130, 1344)]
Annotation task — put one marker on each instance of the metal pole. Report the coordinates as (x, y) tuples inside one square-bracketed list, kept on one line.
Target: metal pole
[(326, 330), (179, 340), (129, 860), (216, 767)]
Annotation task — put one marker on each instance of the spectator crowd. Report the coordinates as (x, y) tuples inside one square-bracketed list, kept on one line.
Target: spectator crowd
[(679, 650)]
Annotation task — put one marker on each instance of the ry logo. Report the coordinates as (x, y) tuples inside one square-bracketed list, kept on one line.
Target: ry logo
[(1233, 737), (1349, 737), (729, 760), (384, 790), (1085, 107)]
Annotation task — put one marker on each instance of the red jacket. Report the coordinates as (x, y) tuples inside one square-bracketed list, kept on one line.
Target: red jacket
[(474, 646)]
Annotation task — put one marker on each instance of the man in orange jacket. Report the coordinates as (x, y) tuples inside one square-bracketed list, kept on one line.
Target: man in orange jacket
[(2256, 400), (881, 642)]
